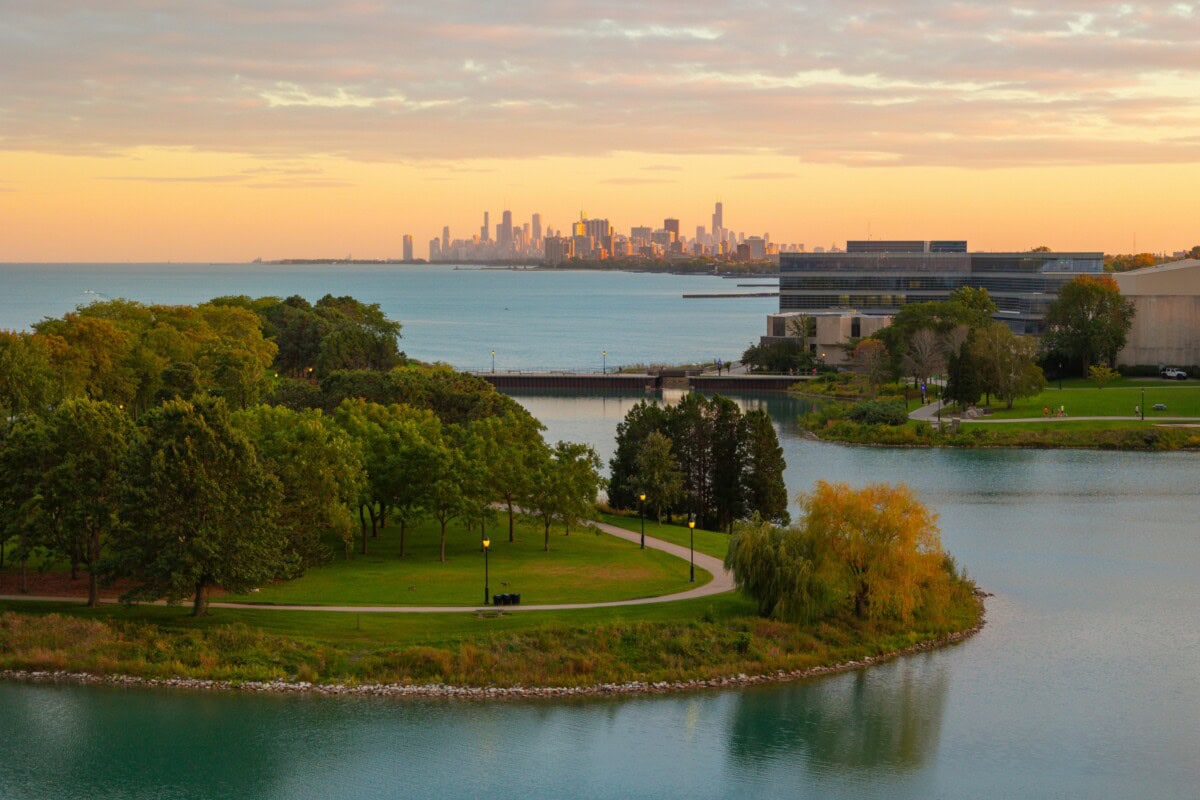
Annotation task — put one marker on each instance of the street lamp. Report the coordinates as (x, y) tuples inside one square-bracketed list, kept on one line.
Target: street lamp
[(487, 545), (692, 547), (493, 362), (604, 362), (1142, 407), (642, 514), (1060, 376)]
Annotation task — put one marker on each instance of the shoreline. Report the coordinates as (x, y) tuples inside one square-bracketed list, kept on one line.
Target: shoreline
[(443, 691)]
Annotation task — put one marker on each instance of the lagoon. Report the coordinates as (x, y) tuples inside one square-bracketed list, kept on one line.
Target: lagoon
[(1085, 682)]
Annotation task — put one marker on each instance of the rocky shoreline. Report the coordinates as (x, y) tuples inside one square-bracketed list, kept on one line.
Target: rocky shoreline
[(485, 692)]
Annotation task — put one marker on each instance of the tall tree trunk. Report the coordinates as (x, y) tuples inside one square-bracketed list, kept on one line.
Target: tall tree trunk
[(374, 520), (93, 560), (547, 546), (200, 602), (443, 541), (403, 528), (362, 523), (511, 538)]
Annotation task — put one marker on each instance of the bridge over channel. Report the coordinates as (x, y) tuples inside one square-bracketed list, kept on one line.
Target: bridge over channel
[(640, 382)]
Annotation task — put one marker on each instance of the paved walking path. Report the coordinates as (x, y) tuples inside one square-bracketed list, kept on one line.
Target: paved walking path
[(722, 581), (928, 413)]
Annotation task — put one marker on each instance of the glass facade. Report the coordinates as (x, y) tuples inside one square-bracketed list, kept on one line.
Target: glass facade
[(1021, 284)]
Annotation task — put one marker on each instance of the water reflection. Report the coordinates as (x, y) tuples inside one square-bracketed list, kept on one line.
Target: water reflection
[(887, 717)]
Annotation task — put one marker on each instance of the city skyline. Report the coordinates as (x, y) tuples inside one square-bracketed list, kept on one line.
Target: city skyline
[(180, 136)]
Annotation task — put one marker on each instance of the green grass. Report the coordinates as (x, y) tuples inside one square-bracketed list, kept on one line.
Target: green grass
[(712, 543), (1066, 425), (581, 568), (1181, 400), (702, 638)]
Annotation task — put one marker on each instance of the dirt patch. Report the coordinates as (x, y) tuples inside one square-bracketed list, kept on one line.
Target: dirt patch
[(60, 584)]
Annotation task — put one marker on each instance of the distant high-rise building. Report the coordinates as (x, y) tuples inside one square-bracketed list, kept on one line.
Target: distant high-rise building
[(408, 247), (699, 233), (718, 220), (504, 233), (445, 237), (640, 235), (537, 229), (527, 234), (558, 249), (671, 226), (483, 231), (435, 249)]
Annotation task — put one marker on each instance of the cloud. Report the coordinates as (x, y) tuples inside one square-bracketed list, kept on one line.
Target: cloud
[(855, 82), (763, 176), (635, 181)]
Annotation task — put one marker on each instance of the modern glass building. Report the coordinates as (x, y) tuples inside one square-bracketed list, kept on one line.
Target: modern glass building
[(879, 277)]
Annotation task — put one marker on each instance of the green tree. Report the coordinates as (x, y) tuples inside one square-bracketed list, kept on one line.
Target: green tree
[(775, 568), (320, 469), (28, 380), (506, 449), (565, 483), (86, 442), (1005, 363), (1089, 322), (24, 459), (765, 490), (200, 508), (657, 474), (640, 421)]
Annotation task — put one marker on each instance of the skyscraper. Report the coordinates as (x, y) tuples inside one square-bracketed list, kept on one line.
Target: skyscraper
[(504, 237), (671, 226), (537, 230), (483, 231), (408, 247), (718, 221), (445, 237), (435, 249)]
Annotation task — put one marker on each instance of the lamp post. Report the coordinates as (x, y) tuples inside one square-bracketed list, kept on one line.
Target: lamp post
[(692, 548), (603, 362), (493, 362), (1142, 407), (642, 514), (487, 545), (1060, 376)]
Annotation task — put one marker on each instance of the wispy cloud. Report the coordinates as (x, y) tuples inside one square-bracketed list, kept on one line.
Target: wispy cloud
[(763, 176), (969, 83), (635, 181)]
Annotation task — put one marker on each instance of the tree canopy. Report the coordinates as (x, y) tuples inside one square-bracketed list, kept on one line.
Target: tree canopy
[(1089, 322)]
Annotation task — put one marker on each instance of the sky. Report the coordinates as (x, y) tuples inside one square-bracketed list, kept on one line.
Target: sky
[(144, 130)]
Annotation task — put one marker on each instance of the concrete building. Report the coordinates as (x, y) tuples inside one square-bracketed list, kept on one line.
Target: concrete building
[(878, 277), (408, 247), (827, 332), (1166, 321)]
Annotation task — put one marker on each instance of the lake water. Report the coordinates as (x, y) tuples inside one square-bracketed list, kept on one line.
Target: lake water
[(1084, 684), (533, 319)]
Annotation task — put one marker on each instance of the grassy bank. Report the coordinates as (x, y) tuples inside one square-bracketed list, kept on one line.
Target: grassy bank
[(1095, 434), (1182, 399), (680, 641)]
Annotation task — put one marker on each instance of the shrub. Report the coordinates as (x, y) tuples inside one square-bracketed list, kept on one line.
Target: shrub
[(879, 412)]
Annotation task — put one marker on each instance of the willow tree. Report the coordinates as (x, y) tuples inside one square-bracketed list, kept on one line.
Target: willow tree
[(879, 545)]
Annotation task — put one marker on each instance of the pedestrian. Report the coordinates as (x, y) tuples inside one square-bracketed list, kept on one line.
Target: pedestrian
[(1062, 410), (1045, 411), (1137, 410)]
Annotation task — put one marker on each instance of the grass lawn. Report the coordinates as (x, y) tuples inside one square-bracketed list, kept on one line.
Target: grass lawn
[(1066, 425), (581, 568), (1182, 399), (710, 542)]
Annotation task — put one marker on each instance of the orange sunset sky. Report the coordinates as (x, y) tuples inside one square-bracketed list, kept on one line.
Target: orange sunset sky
[(151, 132)]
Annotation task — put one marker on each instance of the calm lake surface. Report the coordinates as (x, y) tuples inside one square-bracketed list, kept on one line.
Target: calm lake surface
[(1085, 682)]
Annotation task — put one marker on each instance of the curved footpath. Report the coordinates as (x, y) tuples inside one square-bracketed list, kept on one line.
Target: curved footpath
[(722, 581), (928, 413)]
